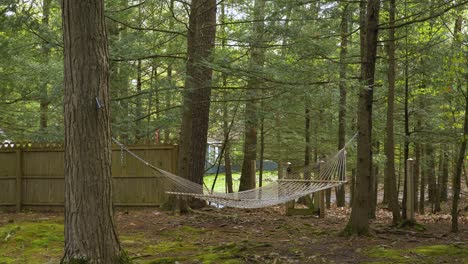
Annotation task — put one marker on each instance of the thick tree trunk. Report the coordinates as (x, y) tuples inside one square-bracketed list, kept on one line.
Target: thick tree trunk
[(389, 148), (359, 222), (340, 191), (247, 180), (89, 227), (197, 92)]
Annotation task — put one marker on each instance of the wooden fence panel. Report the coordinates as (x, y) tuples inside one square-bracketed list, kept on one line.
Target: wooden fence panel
[(33, 176), (7, 164), (43, 163), (8, 172)]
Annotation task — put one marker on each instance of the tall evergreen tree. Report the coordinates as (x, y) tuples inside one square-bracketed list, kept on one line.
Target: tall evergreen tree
[(90, 234)]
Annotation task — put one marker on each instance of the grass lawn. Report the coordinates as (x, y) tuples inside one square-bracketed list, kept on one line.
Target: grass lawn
[(268, 176)]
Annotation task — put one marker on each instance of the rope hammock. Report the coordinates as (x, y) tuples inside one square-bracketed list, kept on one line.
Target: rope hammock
[(296, 184)]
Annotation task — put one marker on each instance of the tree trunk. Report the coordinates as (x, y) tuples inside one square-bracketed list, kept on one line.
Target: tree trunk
[(389, 148), (226, 127), (431, 178), (307, 135), (422, 187), (407, 135), (352, 186), (89, 226), (44, 96), (251, 119), (340, 191), (374, 183), (417, 173), (458, 168), (461, 156), (138, 108), (197, 93), (227, 162), (262, 149), (359, 222), (445, 175), (438, 183)]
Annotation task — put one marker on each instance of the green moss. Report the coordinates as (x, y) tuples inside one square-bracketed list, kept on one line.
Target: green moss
[(385, 253), (173, 247), (442, 250), (166, 260), (124, 258), (424, 254), (31, 242), (184, 231), (169, 252)]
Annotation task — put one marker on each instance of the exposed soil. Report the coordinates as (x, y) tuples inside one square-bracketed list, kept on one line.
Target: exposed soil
[(269, 236)]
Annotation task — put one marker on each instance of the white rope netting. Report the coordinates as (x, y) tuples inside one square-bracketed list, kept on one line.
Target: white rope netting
[(298, 183)]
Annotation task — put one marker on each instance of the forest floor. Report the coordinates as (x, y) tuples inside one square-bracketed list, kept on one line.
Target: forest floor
[(244, 236)]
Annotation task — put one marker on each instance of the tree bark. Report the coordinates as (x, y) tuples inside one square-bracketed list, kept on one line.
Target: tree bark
[(226, 127), (307, 135), (374, 183), (417, 171), (44, 96), (389, 148), (89, 226), (170, 83), (445, 175), (431, 177), (422, 187), (138, 106), (407, 134), (262, 148), (461, 155), (340, 191), (197, 93), (251, 119), (227, 151), (359, 222), (458, 167)]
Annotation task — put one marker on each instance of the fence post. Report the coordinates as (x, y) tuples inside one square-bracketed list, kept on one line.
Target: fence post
[(410, 189), (19, 175)]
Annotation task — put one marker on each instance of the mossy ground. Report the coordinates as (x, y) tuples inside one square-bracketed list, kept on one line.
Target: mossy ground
[(31, 242), (422, 254), (233, 236), (42, 242)]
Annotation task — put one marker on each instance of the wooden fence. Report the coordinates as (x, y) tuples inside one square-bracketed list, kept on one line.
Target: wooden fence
[(33, 176)]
